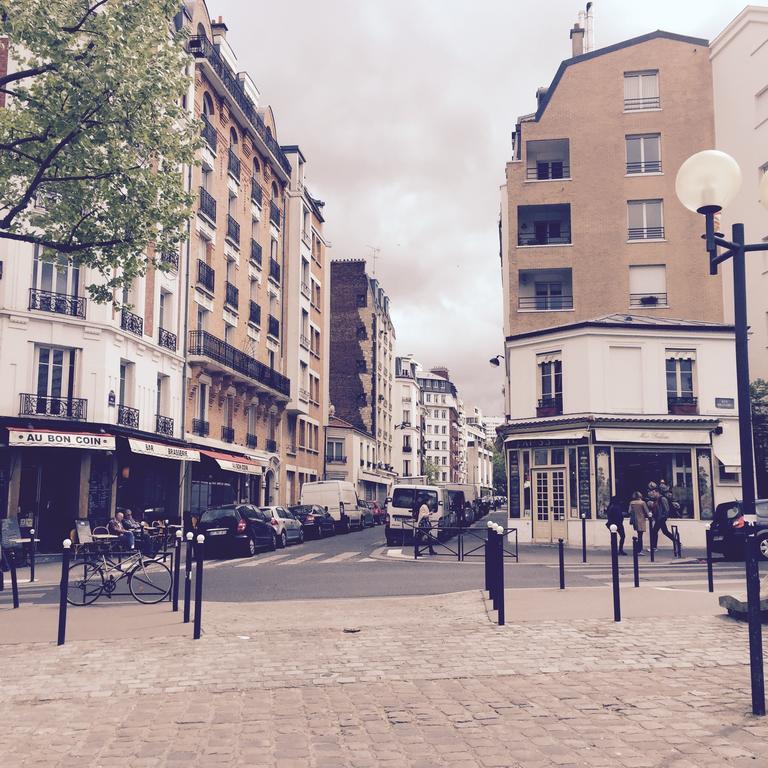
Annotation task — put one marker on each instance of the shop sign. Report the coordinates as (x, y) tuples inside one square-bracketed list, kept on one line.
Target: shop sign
[(164, 451), (725, 402), (39, 438), (239, 466)]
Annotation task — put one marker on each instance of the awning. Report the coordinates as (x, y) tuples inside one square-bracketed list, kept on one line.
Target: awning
[(49, 438), (681, 354), (726, 447), (163, 450), (654, 435), (233, 463), (563, 434)]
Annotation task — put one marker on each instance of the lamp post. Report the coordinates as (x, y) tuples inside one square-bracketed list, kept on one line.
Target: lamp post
[(706, 183)]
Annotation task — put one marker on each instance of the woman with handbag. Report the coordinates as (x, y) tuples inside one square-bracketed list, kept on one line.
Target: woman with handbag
[(638, 514)]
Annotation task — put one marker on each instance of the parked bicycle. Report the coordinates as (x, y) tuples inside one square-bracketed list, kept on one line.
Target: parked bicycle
[(149, 580)]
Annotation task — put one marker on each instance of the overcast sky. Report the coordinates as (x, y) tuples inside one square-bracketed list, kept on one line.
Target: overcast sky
[(404, 109)]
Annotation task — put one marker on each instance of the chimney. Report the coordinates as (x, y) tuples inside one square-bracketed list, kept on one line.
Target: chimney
[(219, 28), (577, 40), (541, 94)]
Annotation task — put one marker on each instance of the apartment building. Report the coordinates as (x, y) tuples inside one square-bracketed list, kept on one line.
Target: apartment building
[(479, 451), (442, 443), (306, 308), (408, 442), (362, 359)]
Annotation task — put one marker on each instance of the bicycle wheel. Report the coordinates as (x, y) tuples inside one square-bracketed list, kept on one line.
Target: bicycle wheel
[(150, 581), (86, 583)]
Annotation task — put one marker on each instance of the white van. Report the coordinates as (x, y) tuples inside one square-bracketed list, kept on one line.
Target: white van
[(400, 518), (340, 497)]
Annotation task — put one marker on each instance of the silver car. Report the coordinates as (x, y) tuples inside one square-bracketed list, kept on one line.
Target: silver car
[(287, 527)]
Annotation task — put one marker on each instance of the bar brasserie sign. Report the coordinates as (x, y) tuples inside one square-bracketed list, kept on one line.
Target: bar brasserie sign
[(42, 439)]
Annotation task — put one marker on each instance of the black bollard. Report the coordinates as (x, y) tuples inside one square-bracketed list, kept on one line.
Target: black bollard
[(188, 578), (710, 574), (652, 549), (561, 556), (755, 628), (500, 584), (583, 538), (14, 580), (416, 542), (635, 561), (678, 542), (66, 555), (493, 589), (32, 555), (176, 571), (487, 561), (615, 574), (198, 587)]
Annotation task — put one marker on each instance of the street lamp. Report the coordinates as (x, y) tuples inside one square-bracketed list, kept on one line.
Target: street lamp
[(496, 360), (706, 183)]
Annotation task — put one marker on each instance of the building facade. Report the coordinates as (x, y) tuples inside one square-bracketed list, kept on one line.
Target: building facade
[(479, 470), (408, 445), (442, 425)]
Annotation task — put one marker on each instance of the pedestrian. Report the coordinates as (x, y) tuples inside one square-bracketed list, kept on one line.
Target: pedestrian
[(424, 523), (638, 515), (124, 536), (615, 516), (660, 516)]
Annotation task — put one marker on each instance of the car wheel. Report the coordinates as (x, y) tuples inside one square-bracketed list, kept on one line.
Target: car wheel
[(273, 542), (301, 535), (251, 546), (283, 541), (762, 547)]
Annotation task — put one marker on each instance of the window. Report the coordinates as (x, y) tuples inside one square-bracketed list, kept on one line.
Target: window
[(680, 366), (641, 90), (202, 402), (648, 286), (55, 372), (728, 475), (250, 415), (550, 384), (201, 318), (406, 468), (644, 153), (56, 275), (124, 389), (645, 220), (549, 295)]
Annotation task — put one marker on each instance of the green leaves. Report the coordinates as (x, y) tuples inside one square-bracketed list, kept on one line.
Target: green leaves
[(93, 110)]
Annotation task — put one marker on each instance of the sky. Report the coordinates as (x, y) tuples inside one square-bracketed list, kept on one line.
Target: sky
[(404, 110)]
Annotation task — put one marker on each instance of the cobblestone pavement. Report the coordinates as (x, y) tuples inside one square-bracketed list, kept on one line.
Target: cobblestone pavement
[(435, 686)]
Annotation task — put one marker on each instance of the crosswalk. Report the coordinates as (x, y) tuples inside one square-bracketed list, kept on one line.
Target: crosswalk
[(291, 560)]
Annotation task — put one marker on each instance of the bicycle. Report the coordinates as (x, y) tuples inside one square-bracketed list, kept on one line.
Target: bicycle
[(149, 580)]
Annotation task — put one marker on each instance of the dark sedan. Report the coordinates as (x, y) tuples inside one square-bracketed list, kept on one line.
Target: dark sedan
[(730, 527), (236, 529), (316, 521)]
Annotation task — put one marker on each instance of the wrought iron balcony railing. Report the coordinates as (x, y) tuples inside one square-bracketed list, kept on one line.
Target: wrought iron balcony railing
[(273, 327), (251, 441), (306, 290), (644, 166), (645, 233), (647, 102), (304, 341), (548, 169), (561, 236), (206, 276), (164, 425), (208, 205), (60, 303), (550, 406), (545, 303), (228, 434), (208, 132), (255, 253), (131, 322), (270, 445), (274, 269), (647, 300), (200, 427), (254, 313), (336, 459), (231, 295), (127, 416), (274, 214), (233, 165), (257, 194), (233, 231), (171, 258), (304, 395), (75, 408), (167, 339)]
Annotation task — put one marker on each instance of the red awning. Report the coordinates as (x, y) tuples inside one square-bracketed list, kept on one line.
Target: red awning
[(233, 463)]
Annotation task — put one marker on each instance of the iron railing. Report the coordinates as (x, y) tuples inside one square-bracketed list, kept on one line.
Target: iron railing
[(274, 269), (60, 303), (251, 441), (206, 276), (561, 237), (548, 169), (200, 427), (231, 294), (127, 416), (270, 445), (647, 102), (645, 233), (75, 408), (304, 341), (233, 165), (545, 303), (336, 459), (304, 394), (208, 205), (131, 322), (274, 214), (254, 313), (205, 344), (228, 434), (550, 406), (200, 47), (644, 166), (682, 400), (273, 327), (164, 425), (171, 258), (167, 339), (208, 132), (306, 290), (257, 194), (647, 299), (233, 230), (256, 257)]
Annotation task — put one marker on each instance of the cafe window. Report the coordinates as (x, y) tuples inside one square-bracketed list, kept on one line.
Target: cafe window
[(680, 371), (550, 368)]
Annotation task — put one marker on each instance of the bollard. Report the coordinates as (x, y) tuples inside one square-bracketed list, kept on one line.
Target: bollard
[(710, 575), (198, 587), (755, 628), (583, 538), (176, 571), (677, 541), (14, 580), (561, 556), (487, 559), (636, 560), (615, 573), (31, 555), (66, 554), (652, 550), (416, 541), (492, 535), (188, 578), (500, 585)]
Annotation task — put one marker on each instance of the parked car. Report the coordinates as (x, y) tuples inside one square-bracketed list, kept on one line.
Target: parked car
[(401, 512), (730, 527), (316, 521), (286, 526), (379, 514), (340, 497), (366, 515), (238, 529)]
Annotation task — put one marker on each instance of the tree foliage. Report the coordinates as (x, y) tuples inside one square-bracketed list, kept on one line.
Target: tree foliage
[(758, 393), (499, 473), (432, 472), (94, 135)]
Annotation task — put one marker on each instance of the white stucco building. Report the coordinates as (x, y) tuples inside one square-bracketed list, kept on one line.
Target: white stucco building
[(408, 439), (603, 407), (479, 452)]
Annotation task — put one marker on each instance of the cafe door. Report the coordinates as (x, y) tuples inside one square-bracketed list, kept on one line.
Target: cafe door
[(549, 521)]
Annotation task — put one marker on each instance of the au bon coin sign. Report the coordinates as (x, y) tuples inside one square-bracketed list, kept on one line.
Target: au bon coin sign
[(38, 438)]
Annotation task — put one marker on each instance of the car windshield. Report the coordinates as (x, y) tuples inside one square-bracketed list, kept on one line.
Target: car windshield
[(403, 498), (218, 516)]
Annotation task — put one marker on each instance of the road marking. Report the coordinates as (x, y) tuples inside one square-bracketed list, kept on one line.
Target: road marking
[(338, 558), (216, 564), (394, 552), (302, 559), (260, 561)]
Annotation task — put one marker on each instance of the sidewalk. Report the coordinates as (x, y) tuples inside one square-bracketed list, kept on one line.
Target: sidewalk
[(423, 682)]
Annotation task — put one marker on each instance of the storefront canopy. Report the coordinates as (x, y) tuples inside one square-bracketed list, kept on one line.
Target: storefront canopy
[(233, 463), (49, 438), (727, 449), (164, 450), (573, 434), (654, 435)]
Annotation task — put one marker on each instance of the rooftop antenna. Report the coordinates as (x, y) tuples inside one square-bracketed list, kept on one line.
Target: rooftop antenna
[(375, 251), (589, 35)]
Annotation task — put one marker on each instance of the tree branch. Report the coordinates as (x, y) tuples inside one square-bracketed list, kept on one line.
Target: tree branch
[(85, 17), (63, 247), (11, 145), (12, 78)]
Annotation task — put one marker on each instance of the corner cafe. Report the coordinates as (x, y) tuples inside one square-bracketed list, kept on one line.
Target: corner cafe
[(49, 477)]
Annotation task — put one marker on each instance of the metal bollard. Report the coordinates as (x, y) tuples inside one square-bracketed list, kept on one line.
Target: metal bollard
[(176, 571), (416, 541), (32, 555), (2, 574), (636, 560), (500, 585), (492, 590), (14, 580), (679, 544), (188, 578), (561, 557), (583, 538), (755, 628), (710, 574), (66, 555), (615, 573), (487, 559), (198, 587)]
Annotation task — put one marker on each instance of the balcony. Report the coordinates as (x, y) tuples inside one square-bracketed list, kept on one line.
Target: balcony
[(233, 165), (233, 231), (207, 205), (273, 327), (407, 449), (640, 300), (645, 166), (131, 322), (647, 102), (206, 345), (167, 339), (274, 270), (257, 194), (60, 303), (645, 233), (206, 276), (208, 132), (547, 160), (228, 434), (304, 395), (200, 427), (270, 445), (231, 295), (305, 290), (200, 47), (254, 313), (274, 214), (251, 441), (128, 417), (545, 290), (255, 253), (164, 425), (336, 459), (682, 405), (550, 406), (544, 303), (544, 225), (304, 341), (171, 260), (74, 408)]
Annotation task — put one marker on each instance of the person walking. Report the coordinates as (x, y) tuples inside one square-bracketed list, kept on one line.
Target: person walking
[(638, 515), (615, 516), (660, 517), (424, 524)]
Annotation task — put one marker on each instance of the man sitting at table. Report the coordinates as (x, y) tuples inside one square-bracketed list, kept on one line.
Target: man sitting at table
[(117, 528)]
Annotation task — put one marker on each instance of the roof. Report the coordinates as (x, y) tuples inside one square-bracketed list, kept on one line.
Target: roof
[(749, 14), (335, 421), (657, 35), (592, 419)]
